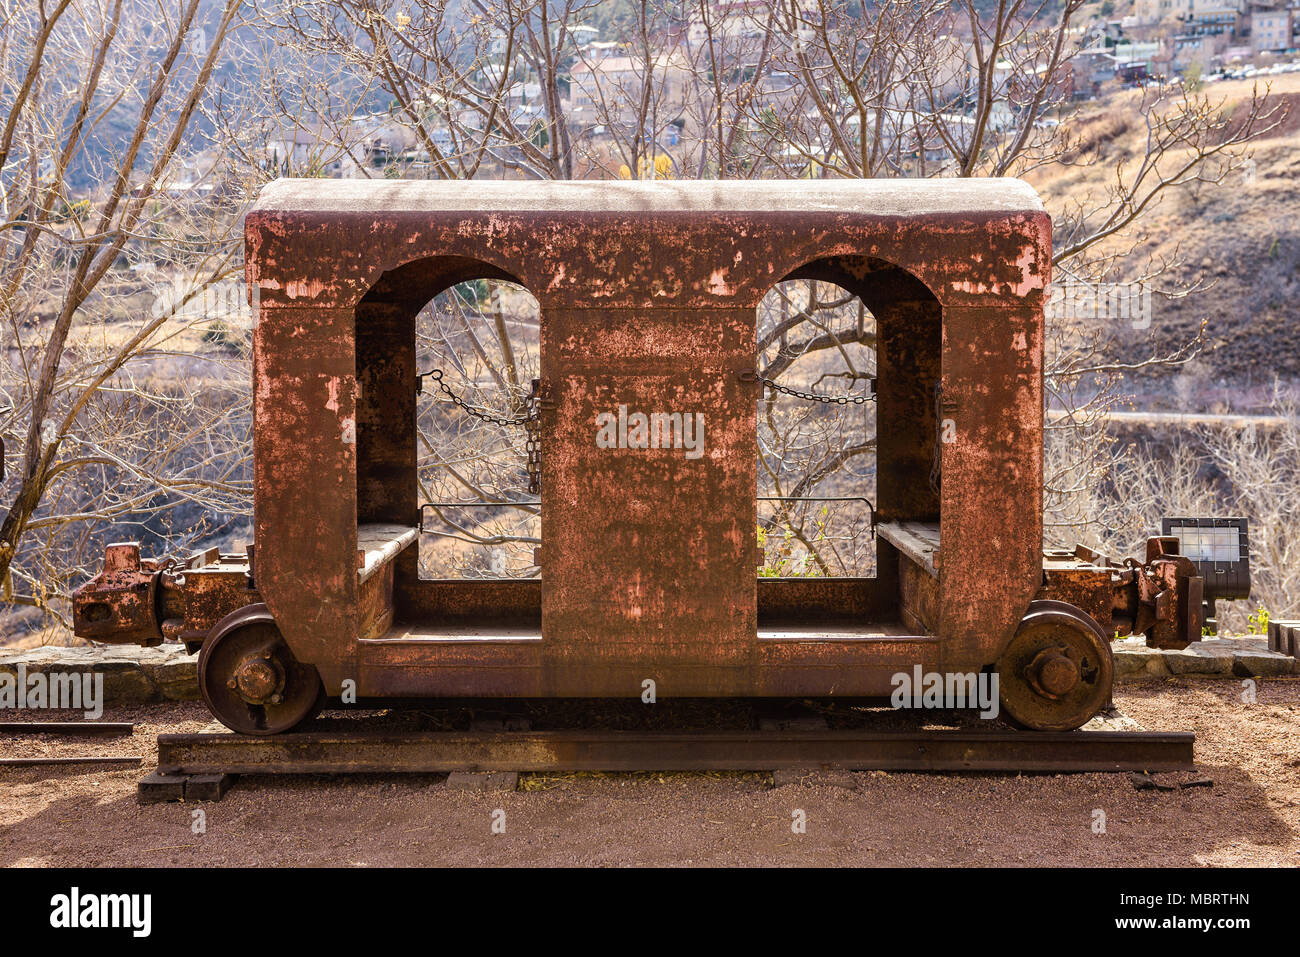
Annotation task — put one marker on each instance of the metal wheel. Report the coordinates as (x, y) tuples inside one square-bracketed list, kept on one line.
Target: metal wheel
[(1058, 670), (250, 680)]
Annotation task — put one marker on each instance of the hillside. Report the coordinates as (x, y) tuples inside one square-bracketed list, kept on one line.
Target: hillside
[(1240, 237)]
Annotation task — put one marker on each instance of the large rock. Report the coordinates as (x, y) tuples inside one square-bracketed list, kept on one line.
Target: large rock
[(1201, 658), (132, 675), (177, 677), (1134, 659), (1263, 664)]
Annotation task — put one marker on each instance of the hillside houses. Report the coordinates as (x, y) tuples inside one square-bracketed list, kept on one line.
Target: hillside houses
[(339, 148), (619, 101), (1208, 34), (631, 92)]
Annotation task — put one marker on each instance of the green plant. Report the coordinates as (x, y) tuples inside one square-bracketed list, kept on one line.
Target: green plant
[(76, 211), (476, 293), (782, 560), (1258, 621)]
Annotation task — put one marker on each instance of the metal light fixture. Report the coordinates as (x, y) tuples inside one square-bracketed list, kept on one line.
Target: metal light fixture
[(1220, 549)]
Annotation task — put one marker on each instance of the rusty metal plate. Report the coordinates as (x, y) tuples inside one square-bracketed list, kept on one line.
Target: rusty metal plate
[(648, 493)]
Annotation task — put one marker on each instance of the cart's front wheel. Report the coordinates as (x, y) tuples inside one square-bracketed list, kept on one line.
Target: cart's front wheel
[(1058, 670), (251, 681)]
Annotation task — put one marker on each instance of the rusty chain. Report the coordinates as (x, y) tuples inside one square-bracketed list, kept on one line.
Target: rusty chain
[(531, 422), (478, 413), (533, 442), (812, 396)]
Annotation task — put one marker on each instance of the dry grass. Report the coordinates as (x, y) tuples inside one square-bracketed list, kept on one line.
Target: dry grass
[(1242, 237)]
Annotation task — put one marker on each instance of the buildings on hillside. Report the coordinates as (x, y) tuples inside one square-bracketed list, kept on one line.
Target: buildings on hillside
[(1211, 33), (618, 100), (1275, 29)]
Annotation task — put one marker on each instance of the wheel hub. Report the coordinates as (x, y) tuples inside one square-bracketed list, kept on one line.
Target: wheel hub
[(1056, 672), (259, 678), (1052, 673)]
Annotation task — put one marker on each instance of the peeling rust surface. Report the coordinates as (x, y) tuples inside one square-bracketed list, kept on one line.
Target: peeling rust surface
[(647, 554), (120, 605), (138, 600), (647, 297), (992, 477), (1159, 597)]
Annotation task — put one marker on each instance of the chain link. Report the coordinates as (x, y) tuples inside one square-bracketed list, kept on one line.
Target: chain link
[(530, 420), (533, 445), (484, 414), (812, 396)]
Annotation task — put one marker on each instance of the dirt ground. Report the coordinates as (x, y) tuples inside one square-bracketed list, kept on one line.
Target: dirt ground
[(1251, 815)]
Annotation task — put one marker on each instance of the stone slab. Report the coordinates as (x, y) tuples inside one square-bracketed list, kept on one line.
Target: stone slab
[(1242, 657), (132, 675)]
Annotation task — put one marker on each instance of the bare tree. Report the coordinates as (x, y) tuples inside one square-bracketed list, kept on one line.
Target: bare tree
[(98, 100), (1252, 472), (816, 460), (481, 340), (932, 89), (520, 89), (477, 85), (800, 88)]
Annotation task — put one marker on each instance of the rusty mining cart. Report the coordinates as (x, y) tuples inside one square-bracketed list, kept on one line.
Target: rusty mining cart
[(648, 294)]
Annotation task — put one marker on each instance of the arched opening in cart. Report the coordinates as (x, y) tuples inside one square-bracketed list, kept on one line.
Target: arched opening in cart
[(849, 450), (816, 432), (477, 352), (447, 518)]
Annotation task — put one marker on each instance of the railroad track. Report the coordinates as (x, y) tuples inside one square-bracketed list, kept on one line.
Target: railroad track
[(202, 765), (130, 760), (67, 728), (216, 756), (70, 729)]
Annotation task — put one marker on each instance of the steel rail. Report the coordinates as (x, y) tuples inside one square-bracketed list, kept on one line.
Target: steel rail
[(133, 759), (67, 727), (425, 752)]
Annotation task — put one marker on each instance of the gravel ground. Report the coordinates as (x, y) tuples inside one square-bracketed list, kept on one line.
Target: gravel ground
[(1251, 815)]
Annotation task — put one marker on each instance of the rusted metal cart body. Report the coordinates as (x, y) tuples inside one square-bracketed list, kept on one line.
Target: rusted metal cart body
[(648, 295)]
